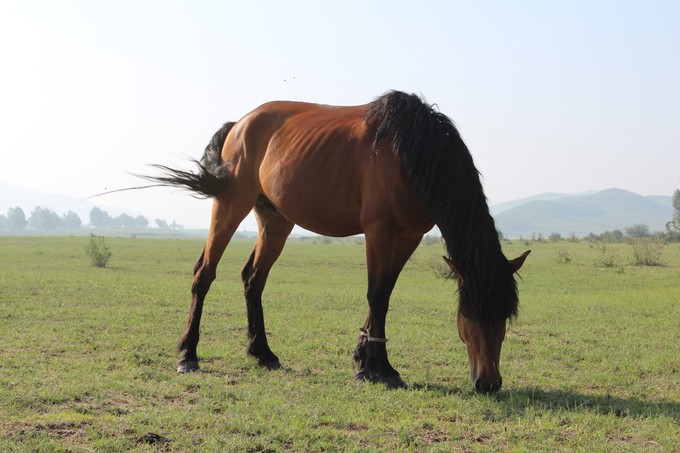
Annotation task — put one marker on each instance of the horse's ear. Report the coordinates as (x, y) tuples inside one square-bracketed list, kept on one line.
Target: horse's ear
[(455, 267), (516, 264)]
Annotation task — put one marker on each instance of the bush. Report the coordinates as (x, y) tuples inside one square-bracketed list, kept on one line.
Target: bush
[(98, 251), (439, 267), (609, 257), (563, 257), (647, 252)]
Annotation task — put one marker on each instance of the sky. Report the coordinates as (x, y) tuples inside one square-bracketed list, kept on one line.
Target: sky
[(549, 96)]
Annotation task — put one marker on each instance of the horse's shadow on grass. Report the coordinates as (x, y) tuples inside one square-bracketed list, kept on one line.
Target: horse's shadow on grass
[(516, 401)]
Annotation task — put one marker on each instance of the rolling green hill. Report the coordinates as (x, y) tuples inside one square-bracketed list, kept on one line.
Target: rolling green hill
[(582, 214)]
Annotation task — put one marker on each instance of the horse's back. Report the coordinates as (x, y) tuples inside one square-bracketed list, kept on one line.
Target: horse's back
[(320, 167)]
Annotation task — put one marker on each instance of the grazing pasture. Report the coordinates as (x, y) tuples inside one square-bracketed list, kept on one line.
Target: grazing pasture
[(88, 354)]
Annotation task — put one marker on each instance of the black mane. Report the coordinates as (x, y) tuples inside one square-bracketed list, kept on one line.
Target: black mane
[(435, 158)]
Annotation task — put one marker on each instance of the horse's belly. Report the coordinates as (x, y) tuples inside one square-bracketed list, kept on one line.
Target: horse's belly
[(324, 206)]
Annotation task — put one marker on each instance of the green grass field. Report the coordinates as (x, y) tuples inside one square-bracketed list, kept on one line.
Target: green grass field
[(88, 361)]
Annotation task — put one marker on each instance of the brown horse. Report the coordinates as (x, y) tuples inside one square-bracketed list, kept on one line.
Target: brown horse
[(392, 170)]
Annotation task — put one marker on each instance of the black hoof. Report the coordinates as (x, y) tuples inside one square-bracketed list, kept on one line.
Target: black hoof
[(391, 382), (187, 366), (361, 377), (271, 365), (394, 382)]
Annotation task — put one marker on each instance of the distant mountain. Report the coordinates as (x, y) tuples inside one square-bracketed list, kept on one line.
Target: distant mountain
[(501, 207), (582, 214), (664, 200)]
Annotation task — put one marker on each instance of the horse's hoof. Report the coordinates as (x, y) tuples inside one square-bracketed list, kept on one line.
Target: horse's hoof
[(187, 366), (273, 365), (391, 382), (394, 382), (361, 377)]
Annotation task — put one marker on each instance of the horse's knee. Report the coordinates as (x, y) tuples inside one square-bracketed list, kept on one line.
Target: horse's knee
[(198, 263), (203, 278), (247, 270)]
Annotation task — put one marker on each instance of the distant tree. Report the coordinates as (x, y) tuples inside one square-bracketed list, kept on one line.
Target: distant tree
[(141, 221), (44, 219), (16, 219), (162, 224), (592, 237), (673, 226), (71, 220), (638, 231), (124, 220), (3, 222), (673, 230), (555, 237), (99, 218), (612, 236)]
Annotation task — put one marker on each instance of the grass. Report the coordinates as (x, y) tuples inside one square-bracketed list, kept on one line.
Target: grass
[(592, 363)]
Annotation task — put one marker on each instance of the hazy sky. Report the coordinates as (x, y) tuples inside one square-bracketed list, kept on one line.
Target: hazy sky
[(550, 96)]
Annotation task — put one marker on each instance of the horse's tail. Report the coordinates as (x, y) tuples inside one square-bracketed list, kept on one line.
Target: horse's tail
[(212, 177)]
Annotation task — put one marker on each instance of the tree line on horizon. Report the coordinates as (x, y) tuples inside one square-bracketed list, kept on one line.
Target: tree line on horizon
[(46, 219), (43, 219)]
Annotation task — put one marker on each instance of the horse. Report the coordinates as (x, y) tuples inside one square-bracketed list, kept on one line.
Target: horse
[(391, 170)]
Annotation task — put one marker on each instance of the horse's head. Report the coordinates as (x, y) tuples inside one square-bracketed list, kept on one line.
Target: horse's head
[(483, 338)]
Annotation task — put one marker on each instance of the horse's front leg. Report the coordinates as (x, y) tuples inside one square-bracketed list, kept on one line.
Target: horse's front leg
[(385, 259), (370, 354)]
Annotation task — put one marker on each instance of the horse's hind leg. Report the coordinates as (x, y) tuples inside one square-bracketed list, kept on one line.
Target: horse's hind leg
[(273, 231), (229, 209)]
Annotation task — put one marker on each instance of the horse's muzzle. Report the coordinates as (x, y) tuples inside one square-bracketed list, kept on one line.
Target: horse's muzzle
[(484, 386)]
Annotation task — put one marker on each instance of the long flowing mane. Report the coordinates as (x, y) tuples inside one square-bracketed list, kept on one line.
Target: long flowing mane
[(437, 161)]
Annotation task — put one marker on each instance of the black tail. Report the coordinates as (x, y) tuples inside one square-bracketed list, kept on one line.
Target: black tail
[(213, 175)]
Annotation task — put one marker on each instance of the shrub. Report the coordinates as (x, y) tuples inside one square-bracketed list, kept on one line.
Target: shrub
[(98, 251), (647, 252), (609, 257), (439, 267), (563, 257), (555, 237)]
